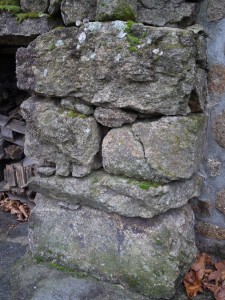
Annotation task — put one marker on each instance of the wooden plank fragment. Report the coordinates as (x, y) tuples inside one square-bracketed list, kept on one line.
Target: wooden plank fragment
[(20, 175), (10, 176)]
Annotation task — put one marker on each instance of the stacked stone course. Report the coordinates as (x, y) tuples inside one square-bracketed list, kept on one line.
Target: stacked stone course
[(116, 124)]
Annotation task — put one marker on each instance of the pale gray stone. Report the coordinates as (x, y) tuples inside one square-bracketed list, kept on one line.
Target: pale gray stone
[(147, 256), (37, 281), (81, 171), (113, 117), (79, 106), (34, 5), (15, 33), (167, 13), (111, 71), (116, 194), (60, 136), (63, 168), (47, 171), (163, 150), (74, 10), (110, 10)]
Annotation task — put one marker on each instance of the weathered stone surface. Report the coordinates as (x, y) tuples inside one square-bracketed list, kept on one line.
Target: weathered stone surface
[(128, 197), (56, 135), (167, 13), (202, 207), (67, 284), (54, 7), (113, 117), (46, 171), (214, 166), (211, 231), (163, 150), (220, 201), (34, 5), (110, 10), (112, 72), (78, 10), (79, 106), (219, 129), (145, 255), (217, 79), (215, 10), (12, 32)]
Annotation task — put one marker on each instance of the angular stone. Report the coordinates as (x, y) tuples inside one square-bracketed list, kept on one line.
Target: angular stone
[(13, 32), (219, 129), (74, 10), (113, 117), (65, 284), (81, 171), (220, 201), (161, 151), (167, 13), (60, 136), (46, 171), (202, 207), (133, 252), (79, 106), (112, 72), (215, 10), (116, 194), (54, 7), (63, 168), (214, 166), (110, 10), (211, 231), (34, 5)]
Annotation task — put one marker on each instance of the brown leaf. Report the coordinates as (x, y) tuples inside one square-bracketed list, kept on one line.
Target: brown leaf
[(21, 208)]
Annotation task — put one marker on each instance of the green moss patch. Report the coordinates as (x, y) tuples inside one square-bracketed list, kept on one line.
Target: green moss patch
[(10, 2), (133, 40), (75, 114), (29, 15), (10, 8)]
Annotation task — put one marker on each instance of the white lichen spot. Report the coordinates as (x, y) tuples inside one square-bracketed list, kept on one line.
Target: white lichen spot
[(63, 58), (85, 58), (93, 55), (117, 57), (82, 37), (87, 130), (94, 26), (149, 41), (59, 43), (121, 35), (119, 25), (78, 46), (45, 72), (161, 53), (156, 51)]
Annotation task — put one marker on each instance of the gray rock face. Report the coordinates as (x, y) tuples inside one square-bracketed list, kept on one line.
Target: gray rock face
[(163, 150), (73, 10), (145, 255), (158, 79), (113, 117), (79, 106), (54, 7), (52, 284), (110, 10), (116, 194), (56, 135), (13, 32), (34, 5), (216, 10), (167, 13)]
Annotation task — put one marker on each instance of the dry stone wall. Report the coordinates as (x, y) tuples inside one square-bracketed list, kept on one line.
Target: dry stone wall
[(116, 127)]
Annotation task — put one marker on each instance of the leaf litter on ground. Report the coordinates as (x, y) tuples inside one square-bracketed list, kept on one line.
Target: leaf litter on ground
[(205, 274), (15, 207)]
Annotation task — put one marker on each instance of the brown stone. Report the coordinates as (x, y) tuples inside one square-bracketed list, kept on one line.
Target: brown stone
[(220, 201), (217, 79), (203, 207), (216, 10), (219, 129), (211, 231)]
